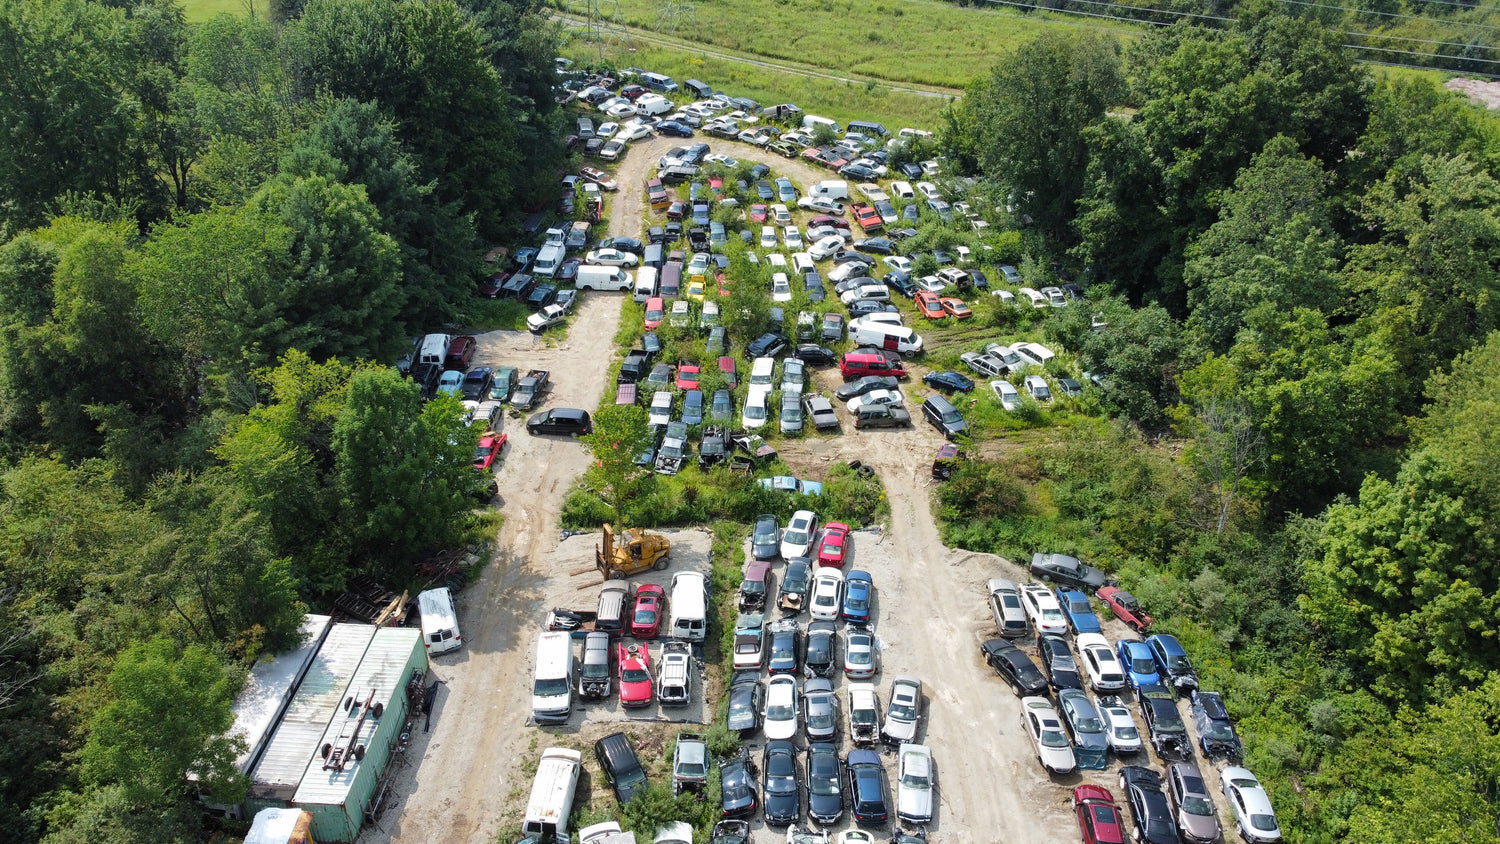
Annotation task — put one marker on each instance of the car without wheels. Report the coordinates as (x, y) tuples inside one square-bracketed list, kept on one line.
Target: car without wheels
[(689, 764), (903, 717), (1168, 731), (1090, 738), (819, 659), (1216, 733), (794, 585), (1066, 570)]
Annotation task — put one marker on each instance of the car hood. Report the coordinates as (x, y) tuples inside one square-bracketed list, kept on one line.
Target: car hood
[(914, 803), (901, 730), (780, 729)]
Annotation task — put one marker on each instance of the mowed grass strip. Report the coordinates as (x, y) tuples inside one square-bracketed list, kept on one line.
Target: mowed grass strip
[(929, 42), (198, 11), (839, 100)]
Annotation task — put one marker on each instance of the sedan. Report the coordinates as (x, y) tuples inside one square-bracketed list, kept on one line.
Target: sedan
[(820, 657), (779, 784), (1090, 738), (1197, 820), (929, 305), (814, 355), (743, 715), (635, 675), (784, 652), (794, 585), (1058, 662), (825, 798), (825, 247), (835, 545), (827, 594), (861, 654), (955, 308), (1148, 804), (645, 620), (749, 642), (1067, 570), (875, 397), (914, 783), (611, 257), (867, 788), (1041, 606), (1042, 724), (1139, 664), (1216, 733), (904, 715), (768, 237), (687, 376), (860, 386), (781, 707), (1124, 735), (1167, 729), (1105, 674), (765, 537), (859, 597), (1014, 667), (797, 539), (949, 381), (820, 710), (1098, 816), (737, 788), (1250, 805)]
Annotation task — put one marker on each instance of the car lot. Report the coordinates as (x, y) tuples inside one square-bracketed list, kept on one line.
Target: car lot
[(989, 785)]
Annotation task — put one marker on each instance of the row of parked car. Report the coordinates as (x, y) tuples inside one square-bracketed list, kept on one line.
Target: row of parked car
[(1090, 719)]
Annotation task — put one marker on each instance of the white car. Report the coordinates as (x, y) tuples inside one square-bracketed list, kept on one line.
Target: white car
[(890, 397), (802, 262), (661, 408), (611, 258), (633, 131), (1250, 806), (698, 264), (620, 111), (768, 237), (1099, 660), (904, 715), (929, 190), (931, 283), (792, 238), (717, 158), (607, 130), (1034, 354), (903, 190), (612, 149), (874, 291), (781, 288), (1119, 724), (900, 263), (777, 261), (1040, 720), (1041, 605), (756, 410), (1037, 387), (827, 594), (861, 654), (797, 539), (873, 192), (1006, 392), (780, 214), (822, 204), (914, 781), (825, 247), (781, 708)]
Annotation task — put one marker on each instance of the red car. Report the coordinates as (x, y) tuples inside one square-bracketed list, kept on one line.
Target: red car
[(928, 304), (1098, 816), (956, 307), (834, 546), (489, 449), (1125, 607), (490, 289), (731, 371), (687, 376), (645, 620), (758, 212), (631, 92), (656, 312), (677, 210), (867, 217), (635, 674)]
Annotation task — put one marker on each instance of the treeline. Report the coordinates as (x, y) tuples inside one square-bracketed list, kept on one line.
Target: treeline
[(1299, 268), (215, 239)]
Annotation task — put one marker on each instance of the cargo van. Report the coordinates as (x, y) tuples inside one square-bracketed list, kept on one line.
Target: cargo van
[(811, 122), (439, 621), (1035, 297), (830, 189), (434, 348), (671, 279), (689, 606), (661, 82), (653, 256), (549, 259), (699, 89), (552, 680), (653, 104), (592, 277), (892, 338), (613, 596), (645, 284), (552, 794)]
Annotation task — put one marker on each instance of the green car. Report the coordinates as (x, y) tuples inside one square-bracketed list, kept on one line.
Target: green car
[(505, 381)]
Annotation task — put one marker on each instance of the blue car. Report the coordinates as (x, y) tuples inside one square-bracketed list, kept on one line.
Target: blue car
[(867, 788), (859, 594), (1172, 660), (1140, 665), (673, 128), (1080, 614)]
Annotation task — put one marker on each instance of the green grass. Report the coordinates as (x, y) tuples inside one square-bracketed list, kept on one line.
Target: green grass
[(198, 11)]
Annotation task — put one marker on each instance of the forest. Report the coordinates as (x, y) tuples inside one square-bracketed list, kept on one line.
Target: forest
[(1302, 373), (216, 239)]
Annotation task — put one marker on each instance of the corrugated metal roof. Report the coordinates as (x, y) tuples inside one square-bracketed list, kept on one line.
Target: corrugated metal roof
[(381, 672), (271, 685), (318, 699)]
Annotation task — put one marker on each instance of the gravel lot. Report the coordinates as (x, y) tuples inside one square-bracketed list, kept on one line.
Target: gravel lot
[(461, 782)]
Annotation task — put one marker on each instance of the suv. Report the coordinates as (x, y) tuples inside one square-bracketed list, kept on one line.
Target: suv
[(856, 364), (620, 765), (689, 764), (944, 416)]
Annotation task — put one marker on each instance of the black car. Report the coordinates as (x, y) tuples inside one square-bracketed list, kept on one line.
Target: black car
[(730, 832), (477, 382), (865, 384), (825, 798), (1216, 734), (779, 782), (875, 245), (656, 234), (767, 345), (848, 256), (815, 355), (568, 421), (821, 655), (674, 129), (980, 280), (714, 449), (948, 380), (1057, 659), (860, 307), (624, 244), (737, 788), (1148, 805), (794, 584), (1168, 731), (745, 694), (1061, 568), (1014, 667), (765, 537), (901, 283), (783, 652), (651, 344), (621, 766), (867, 788)]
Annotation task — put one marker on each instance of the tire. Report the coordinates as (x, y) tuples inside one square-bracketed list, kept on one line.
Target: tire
[(614, 574), (661, 564)]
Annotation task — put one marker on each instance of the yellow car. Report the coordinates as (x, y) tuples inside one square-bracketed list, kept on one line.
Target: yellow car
[(695, 290)]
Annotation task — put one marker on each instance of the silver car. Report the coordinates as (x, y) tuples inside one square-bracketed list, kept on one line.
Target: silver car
[(1250, 806), (861, 654), (1005, 605), (820, 710), (914, 781), (904, 714)]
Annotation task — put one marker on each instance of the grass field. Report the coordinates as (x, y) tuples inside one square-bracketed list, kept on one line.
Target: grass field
[(202, 10)]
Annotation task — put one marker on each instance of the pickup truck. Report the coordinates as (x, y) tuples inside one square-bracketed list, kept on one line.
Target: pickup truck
[(529, 389), (546, 318)]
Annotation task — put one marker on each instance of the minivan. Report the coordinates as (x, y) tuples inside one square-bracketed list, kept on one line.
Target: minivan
[(645, 281), (613, 597), (865, 127), (892, 338), (857, 364), (560, 420), (439, 621), (621, 766), (689, 606), (944, 416), (659, 82), (699, 89)]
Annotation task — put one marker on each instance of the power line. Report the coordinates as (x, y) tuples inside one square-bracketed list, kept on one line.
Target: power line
[(1342, 10)]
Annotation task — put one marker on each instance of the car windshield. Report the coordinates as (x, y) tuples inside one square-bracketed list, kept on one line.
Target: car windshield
[(916, 781), (1195, 805), (796, 579), (783, 648), (739, 704), (754, 411), (551, 688), (823, 785), (645, 615), (636, 675), (595, 670), (903, 711), (1219, 731), (832, 549), (752, 587), (1264, 823), (1143, 665), (765, 533), (821, 718), (1167, 720), (780, 712), (1052, 615), (692, 769), (795, 537), (1088, 724), (1054, 738), (1127, 733)]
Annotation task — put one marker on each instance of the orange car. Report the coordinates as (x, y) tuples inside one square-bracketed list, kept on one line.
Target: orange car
[(929, 305), (956, 307)]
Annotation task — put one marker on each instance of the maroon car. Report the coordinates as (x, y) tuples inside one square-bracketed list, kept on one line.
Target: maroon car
[(645, 621), (1098, 817), (1125, 607)]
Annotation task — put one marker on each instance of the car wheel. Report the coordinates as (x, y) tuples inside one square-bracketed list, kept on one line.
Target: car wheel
[(661, 564)]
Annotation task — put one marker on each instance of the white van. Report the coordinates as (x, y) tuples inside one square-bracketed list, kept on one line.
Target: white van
[(552, 794), (653, 104), (1035, 297), (830, 189), (434, 348), (439, 621), (689, 605), (549, 259), (882, 317), (591, 277), (552, 686), (811, 122), (645, 284), (892, 338)]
